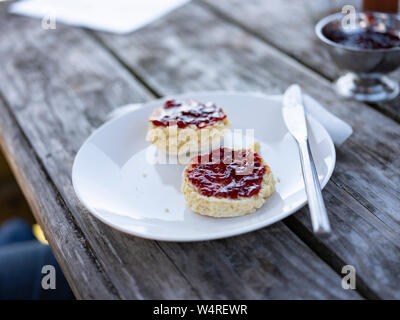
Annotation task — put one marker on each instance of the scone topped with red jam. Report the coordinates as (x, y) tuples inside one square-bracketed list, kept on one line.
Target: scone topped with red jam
[(186, 126), (227, 182)]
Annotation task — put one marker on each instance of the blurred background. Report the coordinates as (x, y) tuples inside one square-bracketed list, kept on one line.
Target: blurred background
[(12, 201)]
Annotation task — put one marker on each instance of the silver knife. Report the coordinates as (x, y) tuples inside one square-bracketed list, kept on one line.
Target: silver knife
[(293, 115)]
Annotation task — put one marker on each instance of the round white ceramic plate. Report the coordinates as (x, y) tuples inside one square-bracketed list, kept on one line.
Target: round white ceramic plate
[(115, 181)]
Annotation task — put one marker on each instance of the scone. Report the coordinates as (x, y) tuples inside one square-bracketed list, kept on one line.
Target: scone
[(187, 127), (227, 183)]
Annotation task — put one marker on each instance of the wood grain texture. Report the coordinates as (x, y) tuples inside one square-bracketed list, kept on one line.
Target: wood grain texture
[(58, 225), (59, 85), (363, 195), (55, 114), (289, 26)]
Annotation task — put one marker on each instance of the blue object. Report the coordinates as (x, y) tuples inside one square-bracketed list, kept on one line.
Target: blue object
[(21, 261), (15, 230)]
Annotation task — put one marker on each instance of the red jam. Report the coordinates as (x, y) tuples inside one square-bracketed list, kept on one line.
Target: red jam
[(187, 113), (225, 173), (366, 39)]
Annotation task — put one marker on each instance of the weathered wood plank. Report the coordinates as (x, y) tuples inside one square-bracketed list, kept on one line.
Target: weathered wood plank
[(52, 109), (59, 226), (363, 195), (59, 85), (289, 26)]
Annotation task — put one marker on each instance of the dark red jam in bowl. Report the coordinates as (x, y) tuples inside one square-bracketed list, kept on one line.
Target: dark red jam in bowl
[(225, 173), (365, 39), (187, 113)]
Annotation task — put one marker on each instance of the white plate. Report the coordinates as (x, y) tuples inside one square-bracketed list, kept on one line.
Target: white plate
[(114, 180)]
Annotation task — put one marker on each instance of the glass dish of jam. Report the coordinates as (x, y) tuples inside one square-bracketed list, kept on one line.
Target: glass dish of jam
[(367, 46)]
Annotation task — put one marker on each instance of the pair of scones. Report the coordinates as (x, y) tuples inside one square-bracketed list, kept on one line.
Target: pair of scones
[(221, 183)]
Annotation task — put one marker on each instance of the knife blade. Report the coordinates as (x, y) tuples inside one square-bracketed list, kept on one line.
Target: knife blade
[(295, 120), (293, 112)]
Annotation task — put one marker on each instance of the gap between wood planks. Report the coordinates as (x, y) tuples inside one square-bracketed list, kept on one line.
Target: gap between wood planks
[(135, 75), (219, 13), (323, 252), (328, 256)]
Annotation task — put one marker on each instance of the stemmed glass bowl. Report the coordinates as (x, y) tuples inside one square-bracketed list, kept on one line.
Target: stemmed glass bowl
[(366, 68)]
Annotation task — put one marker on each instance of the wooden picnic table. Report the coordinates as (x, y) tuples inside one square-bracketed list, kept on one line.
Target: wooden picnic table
[(57, 86)]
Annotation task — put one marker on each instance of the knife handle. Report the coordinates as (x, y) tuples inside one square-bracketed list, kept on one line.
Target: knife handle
[(319, 216)]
